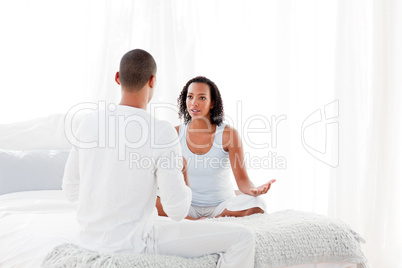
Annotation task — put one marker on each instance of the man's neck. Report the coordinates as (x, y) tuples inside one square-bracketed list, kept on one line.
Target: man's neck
[(137, 99)]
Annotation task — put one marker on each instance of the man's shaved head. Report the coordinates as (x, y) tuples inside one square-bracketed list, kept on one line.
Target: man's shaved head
[(136, 68)]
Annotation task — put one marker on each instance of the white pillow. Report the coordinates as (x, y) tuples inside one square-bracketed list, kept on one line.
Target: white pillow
[(31, 170)]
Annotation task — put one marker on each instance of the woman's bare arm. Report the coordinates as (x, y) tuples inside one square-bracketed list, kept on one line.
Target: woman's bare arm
[(232, 143)]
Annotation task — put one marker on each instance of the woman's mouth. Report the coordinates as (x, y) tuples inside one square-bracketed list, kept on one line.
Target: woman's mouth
[(195, 111)]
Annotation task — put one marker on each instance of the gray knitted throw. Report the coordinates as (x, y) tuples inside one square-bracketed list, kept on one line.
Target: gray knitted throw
[(282, 239)]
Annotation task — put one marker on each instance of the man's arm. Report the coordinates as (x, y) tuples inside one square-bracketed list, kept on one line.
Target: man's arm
[(71, 178), (184, 170), (175, 195), (159, 206)]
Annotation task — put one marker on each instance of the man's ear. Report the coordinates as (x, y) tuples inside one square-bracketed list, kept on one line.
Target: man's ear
[(117, 78), (152, 81)]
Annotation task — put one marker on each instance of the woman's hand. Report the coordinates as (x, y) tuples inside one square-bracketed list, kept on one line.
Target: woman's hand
[(263, 189)]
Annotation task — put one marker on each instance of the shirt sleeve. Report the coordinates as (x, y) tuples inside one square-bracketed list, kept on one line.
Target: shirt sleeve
[(175, 195), (71, 178)]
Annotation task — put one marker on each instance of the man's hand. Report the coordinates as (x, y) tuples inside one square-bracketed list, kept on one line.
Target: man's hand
[(263, 189)]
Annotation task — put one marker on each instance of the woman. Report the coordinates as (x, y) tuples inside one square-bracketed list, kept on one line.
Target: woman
[(212, 149)]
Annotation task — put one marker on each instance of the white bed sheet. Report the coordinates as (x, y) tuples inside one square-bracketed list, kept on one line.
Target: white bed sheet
[(33, 223)]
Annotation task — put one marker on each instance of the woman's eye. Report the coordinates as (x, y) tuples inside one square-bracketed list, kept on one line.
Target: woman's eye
[(189, 97), (203, 98)]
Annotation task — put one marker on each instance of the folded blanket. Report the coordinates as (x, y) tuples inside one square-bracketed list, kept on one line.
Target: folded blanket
[(282, 239)]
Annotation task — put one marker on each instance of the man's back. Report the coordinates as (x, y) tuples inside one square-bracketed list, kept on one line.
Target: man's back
[(121, 157), (119, 176)]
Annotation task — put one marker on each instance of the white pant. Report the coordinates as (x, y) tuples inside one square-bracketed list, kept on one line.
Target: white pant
[(234, 243), (236, 203)]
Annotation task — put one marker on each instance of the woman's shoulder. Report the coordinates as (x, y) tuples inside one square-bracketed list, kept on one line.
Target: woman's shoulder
[(229, 130), (230, 135)]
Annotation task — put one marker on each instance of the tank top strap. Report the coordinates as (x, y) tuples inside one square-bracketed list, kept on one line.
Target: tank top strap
[(218, 141)]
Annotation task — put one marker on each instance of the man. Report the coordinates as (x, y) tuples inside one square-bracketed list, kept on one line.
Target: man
[(115, 181)]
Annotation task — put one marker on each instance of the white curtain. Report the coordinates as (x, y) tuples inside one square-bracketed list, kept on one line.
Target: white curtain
[(365, 187), (312, 87)]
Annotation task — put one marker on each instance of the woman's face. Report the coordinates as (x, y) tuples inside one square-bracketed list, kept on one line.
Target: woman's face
[(199, 101)]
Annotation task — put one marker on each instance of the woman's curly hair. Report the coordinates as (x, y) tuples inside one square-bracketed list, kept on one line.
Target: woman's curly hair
[(217, 115)]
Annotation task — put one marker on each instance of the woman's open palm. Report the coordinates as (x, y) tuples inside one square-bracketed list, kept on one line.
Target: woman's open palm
[(263, 189)]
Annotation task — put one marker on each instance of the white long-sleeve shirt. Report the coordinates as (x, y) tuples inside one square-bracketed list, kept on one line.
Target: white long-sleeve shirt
[(113, 173)]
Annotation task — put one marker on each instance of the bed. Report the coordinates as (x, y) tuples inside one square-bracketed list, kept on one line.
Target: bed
[(36, 222)]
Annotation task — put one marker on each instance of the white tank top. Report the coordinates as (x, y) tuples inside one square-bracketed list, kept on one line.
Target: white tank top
[(209, 173)]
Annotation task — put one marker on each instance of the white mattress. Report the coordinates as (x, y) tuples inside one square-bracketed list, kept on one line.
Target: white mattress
[(32, 223)]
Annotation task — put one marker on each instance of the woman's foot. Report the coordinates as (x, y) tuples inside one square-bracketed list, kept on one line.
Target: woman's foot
[(242, 213), (194, 219)]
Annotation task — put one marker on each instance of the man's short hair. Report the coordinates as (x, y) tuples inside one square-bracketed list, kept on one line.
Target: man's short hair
[(136, 68)]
